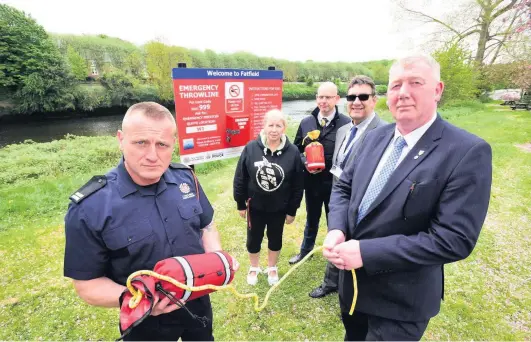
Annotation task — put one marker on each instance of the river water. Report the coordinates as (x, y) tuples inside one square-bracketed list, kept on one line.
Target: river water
[(44, 131)]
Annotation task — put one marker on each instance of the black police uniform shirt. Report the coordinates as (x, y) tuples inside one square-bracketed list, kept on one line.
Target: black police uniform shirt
[(123, 227)]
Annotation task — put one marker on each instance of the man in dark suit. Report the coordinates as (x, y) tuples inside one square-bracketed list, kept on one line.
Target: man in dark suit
[(361, 100), (414, 199), (318, 184)]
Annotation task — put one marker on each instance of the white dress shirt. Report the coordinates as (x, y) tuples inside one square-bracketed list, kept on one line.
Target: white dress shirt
[(411, 140)]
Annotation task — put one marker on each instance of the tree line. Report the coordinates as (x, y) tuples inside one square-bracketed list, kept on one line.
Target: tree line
[(40, 72)]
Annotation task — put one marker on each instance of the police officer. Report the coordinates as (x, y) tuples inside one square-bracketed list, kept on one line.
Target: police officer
[(318, 185), (145, 210)]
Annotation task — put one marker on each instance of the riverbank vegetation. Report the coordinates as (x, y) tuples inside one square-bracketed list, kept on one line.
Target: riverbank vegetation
[(45, 73), (486, 295)]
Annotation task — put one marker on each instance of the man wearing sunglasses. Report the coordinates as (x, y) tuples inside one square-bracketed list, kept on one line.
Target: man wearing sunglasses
[(361, 100), (318, 185), (414, 199)]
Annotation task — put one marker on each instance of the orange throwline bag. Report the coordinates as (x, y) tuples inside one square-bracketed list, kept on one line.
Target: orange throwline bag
[(314, 152), (214, 268), (315, 156)]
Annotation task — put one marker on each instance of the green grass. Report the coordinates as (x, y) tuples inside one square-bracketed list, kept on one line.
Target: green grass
[(488, 295)]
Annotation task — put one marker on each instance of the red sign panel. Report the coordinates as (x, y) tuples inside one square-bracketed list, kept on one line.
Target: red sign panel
[(219, 110)]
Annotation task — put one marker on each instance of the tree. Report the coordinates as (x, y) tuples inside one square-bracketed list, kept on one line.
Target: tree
[(119, 87), (199, 59), (214, 60), (522, 76), (245, 60), (134, 65), (77, 63), (498, 76), (525, 22), (490, 26), (159, 65), (46, 91), (457, 73), (178, 55), (381, 74), (31, 66)]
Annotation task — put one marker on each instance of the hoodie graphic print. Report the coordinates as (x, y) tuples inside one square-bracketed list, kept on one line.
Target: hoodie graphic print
[(271, 181)]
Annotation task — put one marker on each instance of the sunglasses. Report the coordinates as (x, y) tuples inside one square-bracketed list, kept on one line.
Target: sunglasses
[(362, 97)]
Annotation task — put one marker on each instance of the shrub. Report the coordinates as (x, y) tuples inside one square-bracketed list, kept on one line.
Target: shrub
[(146, 93), (88, 98), (381, 105), (119, 87), (293, 91), (381, 89)]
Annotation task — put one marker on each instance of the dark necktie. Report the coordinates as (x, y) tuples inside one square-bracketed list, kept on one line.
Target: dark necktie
[(324, 121), (351, 137)]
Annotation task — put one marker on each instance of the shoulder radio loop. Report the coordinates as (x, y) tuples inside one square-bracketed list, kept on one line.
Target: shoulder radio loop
[(186, 167)]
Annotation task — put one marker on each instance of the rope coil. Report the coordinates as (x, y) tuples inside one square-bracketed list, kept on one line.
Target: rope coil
[(137, 294)]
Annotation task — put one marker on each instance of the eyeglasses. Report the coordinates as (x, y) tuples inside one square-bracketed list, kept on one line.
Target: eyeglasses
[(323, 97), (362, 97)]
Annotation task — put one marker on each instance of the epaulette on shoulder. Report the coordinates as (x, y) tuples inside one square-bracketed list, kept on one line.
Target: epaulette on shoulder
[(93, 185), (180, 166)]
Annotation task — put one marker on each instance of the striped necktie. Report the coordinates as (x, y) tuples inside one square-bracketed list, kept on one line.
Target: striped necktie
[(377, 183)]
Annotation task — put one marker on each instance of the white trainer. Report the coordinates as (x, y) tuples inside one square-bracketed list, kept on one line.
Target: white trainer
[(253, 279), (272, 279)]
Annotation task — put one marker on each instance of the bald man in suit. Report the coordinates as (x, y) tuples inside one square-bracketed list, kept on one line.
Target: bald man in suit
[(361, 100)]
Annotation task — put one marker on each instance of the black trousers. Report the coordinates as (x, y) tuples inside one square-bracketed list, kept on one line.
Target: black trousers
[(331, 277), (160, 328), (364, 327), (255, 230), (315, 196)]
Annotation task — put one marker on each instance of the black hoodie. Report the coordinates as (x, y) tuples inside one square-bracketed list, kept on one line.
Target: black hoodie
[(273, 181)]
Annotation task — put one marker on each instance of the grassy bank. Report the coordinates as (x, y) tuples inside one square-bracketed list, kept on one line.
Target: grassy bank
[(488, 296), (93, 97)]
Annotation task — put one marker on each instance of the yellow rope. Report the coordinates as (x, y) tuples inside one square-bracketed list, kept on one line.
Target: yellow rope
[(137, 295)]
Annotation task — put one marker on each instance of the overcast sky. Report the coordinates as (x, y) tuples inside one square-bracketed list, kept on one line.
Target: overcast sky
[(331, 30)]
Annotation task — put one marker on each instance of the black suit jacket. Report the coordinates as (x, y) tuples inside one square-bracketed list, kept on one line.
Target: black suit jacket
[(429, 213)]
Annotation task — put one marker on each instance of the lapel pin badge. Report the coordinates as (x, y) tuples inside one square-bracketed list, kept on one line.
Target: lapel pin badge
[(416, 157), (421, 152)]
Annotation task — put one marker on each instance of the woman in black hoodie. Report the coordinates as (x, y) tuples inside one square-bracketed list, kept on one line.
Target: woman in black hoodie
[(268, 188)]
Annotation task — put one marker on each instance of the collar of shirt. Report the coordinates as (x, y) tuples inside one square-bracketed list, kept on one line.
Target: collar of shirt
[(127, 186), (413, 137), (363, 125), (329, 117)]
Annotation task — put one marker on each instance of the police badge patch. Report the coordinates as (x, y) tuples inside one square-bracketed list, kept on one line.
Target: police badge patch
[(269, 176), (185, 189)]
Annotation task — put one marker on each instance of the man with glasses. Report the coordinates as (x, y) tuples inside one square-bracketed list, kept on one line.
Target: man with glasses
[(318, 184), (361, 100), (414, 198)]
